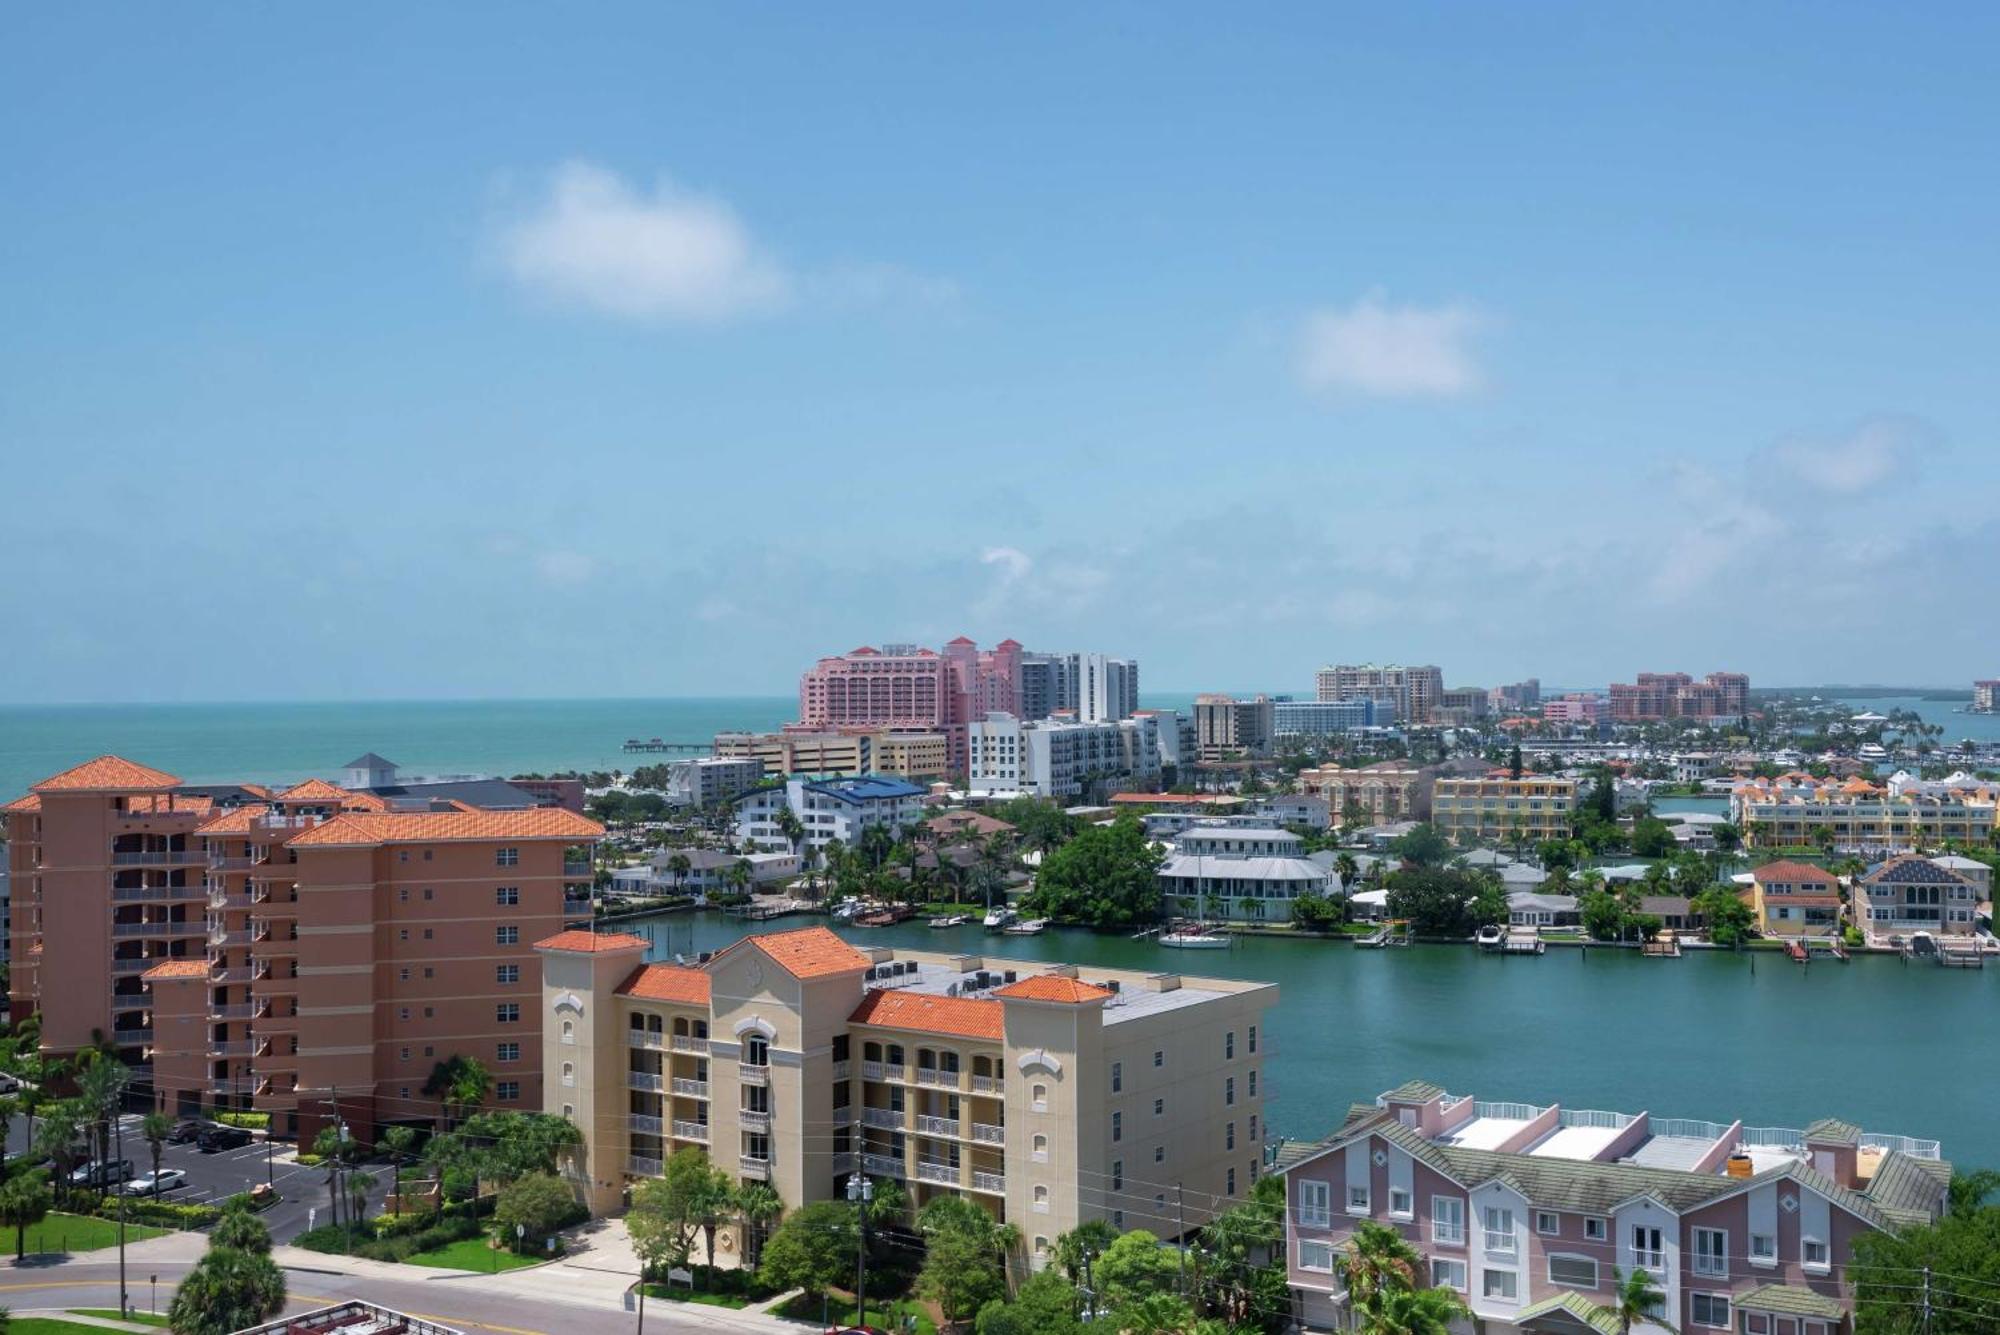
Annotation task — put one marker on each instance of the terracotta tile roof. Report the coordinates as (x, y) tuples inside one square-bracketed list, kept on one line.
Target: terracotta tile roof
[(234, 821), (107, 774), (809, 952), (177, 969), (26, 802), (591, 943), (1794, 871), (169, 803), (967, 1017), (256, 789), (360, 829), (313, 790), (1052, 987), (666, 982)]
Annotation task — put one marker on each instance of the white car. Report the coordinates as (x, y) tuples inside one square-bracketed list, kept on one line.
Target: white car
[(152, 1184)]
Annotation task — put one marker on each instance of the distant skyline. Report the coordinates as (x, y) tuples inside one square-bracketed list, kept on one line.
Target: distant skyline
[(384, 353)]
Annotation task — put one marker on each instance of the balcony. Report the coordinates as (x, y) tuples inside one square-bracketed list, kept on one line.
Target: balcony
[(842, 1069), (844, 1115), (645, 1038), (235, 1010), (222, 977), (128, 968), (942, 1079), (986, 1084), (695, 1131), (881, 1165), (576, 871), (641, 1125), (753, 1167), (871, 1070), (928, 1171), (159, 858), (126, 930), (647, 1080), (230, 862), (128, 1037), (692, 1089), (753, 1075), (689, 1043), (639, 1166), (996, 1183), (987, 1133), (895, 1071), (938, 1126), (754, 1121), (890, 1119), (153, 894)]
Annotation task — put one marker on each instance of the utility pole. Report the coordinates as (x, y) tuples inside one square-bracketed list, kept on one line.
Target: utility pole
[(124, 1302), (861, 1191), (1180, 1239), (1926, 1328)]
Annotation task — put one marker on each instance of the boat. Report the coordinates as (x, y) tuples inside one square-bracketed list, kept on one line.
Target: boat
[(949, 920), (1490, 938), (1029, 927), (845, 910), (997, 919), (1195, 938), (886, 916)]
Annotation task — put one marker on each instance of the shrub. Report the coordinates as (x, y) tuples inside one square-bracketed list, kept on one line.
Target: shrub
[(249, 1121), (163, 1214)]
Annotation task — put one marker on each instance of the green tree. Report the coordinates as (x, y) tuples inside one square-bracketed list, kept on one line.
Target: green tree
[(59, 1139), (240, 1229), (759, 1206), (460, 1084), (1376, 1263), (1244, 1273), (1652, 837), (1634, 1297), (1422, 846), (399, 1143), (1437, 901), (155, 1127), (1107, 876), (670, 1211), (1045, 1304), (1432, 1311), (815, 1248), (1133, 1266), (100, 1092), (10, 1108), (24, 1202), (1087, 1241), (965, 1255), (532, 1209), (1601, 914), (227, 1290), (681, 866), (1964, 1244), (1161, 1312), (1729, 919)]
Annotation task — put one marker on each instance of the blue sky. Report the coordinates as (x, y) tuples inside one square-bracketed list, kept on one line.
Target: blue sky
[(421, 351)]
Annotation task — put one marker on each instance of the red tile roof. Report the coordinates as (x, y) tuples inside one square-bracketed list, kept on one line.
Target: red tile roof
[(313, 790), (26, 802), (1052, 987), (967, 1017), (591, 943), (107, 774), (177, 969), (361, 829), (666, 982), (810, 952), (1795, 871), (234, 821)]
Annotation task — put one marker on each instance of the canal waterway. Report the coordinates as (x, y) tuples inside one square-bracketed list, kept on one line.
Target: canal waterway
[(1900, 1048)]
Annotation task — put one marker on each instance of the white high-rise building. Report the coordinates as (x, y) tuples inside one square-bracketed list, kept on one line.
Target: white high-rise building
[(1096, 688), (1060, 758)]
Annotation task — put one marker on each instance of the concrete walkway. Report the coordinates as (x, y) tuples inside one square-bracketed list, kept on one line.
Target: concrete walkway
[(77, 1318)]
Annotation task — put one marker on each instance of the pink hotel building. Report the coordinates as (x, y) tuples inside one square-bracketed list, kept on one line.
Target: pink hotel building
[(906, 688), (1530, 1213)]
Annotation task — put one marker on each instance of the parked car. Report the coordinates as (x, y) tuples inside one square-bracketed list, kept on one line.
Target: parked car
[(9, 1084), (214, 1138), (187, 1131), (152, 1184), (108, 1173)]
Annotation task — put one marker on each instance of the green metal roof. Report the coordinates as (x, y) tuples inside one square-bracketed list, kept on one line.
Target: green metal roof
[(1575, 1306), (1833, 1131), (1784, 1300), (1414, 1091)]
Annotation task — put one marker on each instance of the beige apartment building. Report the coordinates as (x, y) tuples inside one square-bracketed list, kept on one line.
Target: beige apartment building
[(905, 754), (1377, 794), (1496, 809), (246, 948), (1226, 727), (1047, 1093)]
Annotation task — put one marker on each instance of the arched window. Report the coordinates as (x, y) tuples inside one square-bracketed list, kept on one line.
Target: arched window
[(569, 1031), (1041, 1098), (1041, 1198), (871, 1052), (895, 1054), (569, 1073), (1041, 1146)]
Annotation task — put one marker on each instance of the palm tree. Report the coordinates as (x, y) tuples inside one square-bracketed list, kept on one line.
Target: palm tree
[(1634, 1298), (100, 1089), (155, 1126), (397, 1142), (1416, 1312), (24, 1202), (759, 1206), (331, 1145), (739, 877), (56, 1139), (680, 866), (9, 1109), (359, 1182), (1378, 1261), (1345, 867)]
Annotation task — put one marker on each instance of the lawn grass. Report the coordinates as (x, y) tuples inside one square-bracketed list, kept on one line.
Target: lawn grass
[(79, 1233), (735, 1302), (112, 1314), (472, 1254), (48, 1325), (840, 1311)]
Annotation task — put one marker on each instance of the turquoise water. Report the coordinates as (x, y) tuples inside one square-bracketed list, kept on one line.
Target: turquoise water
[(1957, 727), (1711, 1035)]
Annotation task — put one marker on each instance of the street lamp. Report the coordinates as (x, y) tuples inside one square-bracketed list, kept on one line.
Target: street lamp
[(861, 1191)]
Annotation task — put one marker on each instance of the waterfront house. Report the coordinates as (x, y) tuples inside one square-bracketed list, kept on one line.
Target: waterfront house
[(708, 872), (1914, 894), (1530, 1212), (829, 809), (1245, 873), (1793, 899), (1526, 908)]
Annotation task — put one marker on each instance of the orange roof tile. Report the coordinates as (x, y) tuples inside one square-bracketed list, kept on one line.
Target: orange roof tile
[(967, 1017), (362, 829), (256, 789), (809, 952), (107, 774), (234, 821), (1052, 987), (1794, 871), (313, 790), (666, 982), (591, 943), (169, 803), (26, 802), (177, 969)]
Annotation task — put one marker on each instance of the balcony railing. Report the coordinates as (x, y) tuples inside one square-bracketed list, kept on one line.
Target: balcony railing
[(928, 1171), (938, 1126), (639, 1124), (693, 1089), (222, 977), (648, 1080), (986, 1084), (844, 1115), (231, 1047), (575, 871), (154, 894), (895, 1071), (235, 1010), (143, 929), (126, 968), (695, 1131), (754, 1121), (127, 1037), (993, 1182), (842, 1069), (645, 1038), (160, 858), (754, 1167), (753, 1075), (989, 1134), (871, 1070), (689, 1043), (927, 1075), (881, 1165), (640, 1166), (888, 1118), (230, 862)]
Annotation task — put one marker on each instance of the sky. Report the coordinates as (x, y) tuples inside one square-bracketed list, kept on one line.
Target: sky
[(432, 351)]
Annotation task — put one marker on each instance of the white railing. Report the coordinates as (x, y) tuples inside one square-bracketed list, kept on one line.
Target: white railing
[(871, 1070), (986, 1084), (989, 1134), (697, 1131), (152, 894), (881, 1165), (993, 1182), (224, 976), (1604, 1121), (694, 1089), (841, 1070), (645, 1080), (643, 1125), (1916, 1149), (927, 1075), (936, 1172), (1772, 1138), (232, 1047), (754, 1121), (230, 861), (689, 1043), (895, 1071), (752, 1166), (889, 1118), (235, 1010), (1508, 1112), (644, 1038), (844, 1115), (753, 1075), (1683, 1128), (937, 1126), (642, 1167), (1647, 1258)]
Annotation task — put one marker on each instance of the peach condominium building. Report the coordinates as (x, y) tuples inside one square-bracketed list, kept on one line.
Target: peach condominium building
[(284, 950), (1046, 1093)]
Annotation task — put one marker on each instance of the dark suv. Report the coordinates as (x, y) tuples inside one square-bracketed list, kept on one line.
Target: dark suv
[(215, 1138), (187, 1131)]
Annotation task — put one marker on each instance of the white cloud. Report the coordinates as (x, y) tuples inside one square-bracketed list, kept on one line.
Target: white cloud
[(563, 568), (1012, 561), (671, 255), (1872, 454), (1390, 351)]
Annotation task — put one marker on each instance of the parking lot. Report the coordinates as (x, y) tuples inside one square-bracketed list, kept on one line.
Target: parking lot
[(214, 1177)]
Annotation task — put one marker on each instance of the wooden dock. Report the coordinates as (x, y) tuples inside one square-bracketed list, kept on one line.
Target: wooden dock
[(1388, 934)]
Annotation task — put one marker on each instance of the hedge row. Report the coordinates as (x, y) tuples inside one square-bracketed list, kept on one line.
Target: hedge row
[(401, 1247)]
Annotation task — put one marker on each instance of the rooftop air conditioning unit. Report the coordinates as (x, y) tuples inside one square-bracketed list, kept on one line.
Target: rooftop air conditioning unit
[(1010, 975)]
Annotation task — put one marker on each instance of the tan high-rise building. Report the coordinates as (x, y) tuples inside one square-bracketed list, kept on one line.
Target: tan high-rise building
[(250, 949), (1048, 1093), (904, 754), (1413, 691), (1377, 794), (1497, 808), (1225, 726)]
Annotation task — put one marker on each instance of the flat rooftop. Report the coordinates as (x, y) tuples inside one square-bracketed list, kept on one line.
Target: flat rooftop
[(1137, 994)]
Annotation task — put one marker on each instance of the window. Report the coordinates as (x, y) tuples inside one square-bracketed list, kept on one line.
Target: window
[(506, 973), (1117, 1076), (569, 1031), (1041, 1150), (1646, 1247), (506, 936), (1229, 1187), (1315, 1255), (406, 1054), (1159, 1057), (1711, 1252), (1253, 1128), (1041, 1199), (429, 893), (1253, 1040), (1498, 1284), (1400, 1203), (507, 1012), (1118, 1219), (403, 975), (1448, 1220), (1159, 1154), (1118, 1175), (1499, 1222), (1253, 1084), (402, 1012), (569, 1073), (1229, 1091), (1709, 1309), (1159, 1107), (1315, 1208), (1573, 1272), (1447, 1273), (1548, 1222), (1812, 1253), (1756, 1323), (1228, 1132), (403, 895), (507, 896), (1595, 1228), (1357, 1200), (507, 1091), (506, 1052), (1039, 1096), (756, 1051), (506, 857), (429, 972), (427, 933), (402, 933), (1117, 1127), (1229, 1045), (1763, 1249)]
